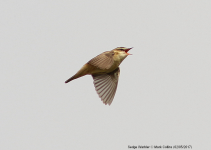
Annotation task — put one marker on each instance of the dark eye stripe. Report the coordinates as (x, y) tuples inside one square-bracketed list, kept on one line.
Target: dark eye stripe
[(121, 48)]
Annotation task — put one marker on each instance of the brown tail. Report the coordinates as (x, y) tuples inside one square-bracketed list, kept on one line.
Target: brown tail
[(70, 79), (77, 75), (83, 71)]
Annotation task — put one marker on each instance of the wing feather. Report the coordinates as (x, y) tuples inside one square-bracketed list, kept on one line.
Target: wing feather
[(103, 61), (106, 85)]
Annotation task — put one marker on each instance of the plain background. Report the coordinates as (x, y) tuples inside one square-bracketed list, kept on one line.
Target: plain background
[(163, 96)]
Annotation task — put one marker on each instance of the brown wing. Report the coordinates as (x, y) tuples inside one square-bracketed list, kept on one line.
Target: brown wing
[(106, 85), (103, 61)]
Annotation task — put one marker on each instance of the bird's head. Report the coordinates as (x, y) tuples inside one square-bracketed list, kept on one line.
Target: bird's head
[(122, 52)]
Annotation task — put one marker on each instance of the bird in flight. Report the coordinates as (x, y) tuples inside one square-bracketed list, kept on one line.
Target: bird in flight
[(105, 71)]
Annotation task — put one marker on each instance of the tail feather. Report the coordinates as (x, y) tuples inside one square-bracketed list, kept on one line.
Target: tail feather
[(70, 79), (77, 75), (82, 72)]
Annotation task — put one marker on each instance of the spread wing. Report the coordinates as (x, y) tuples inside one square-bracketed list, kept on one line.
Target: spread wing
[(106, 85), (103, 61)]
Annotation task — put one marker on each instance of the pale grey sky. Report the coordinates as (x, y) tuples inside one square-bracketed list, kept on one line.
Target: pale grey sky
[(163, 96)]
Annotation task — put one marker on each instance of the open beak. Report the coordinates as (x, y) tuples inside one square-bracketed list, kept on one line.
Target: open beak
[(128, 50)]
